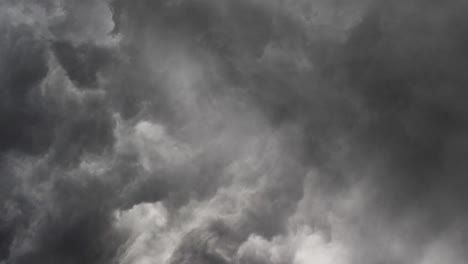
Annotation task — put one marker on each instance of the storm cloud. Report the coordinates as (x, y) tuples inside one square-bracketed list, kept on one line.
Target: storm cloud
[(236, 132)]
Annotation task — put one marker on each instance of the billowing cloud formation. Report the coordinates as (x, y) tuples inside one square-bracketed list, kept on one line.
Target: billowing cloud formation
[(237, 132)]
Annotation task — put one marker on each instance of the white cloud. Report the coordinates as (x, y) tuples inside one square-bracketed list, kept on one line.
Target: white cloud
[(157, 149), (148, 237), (314, 249)]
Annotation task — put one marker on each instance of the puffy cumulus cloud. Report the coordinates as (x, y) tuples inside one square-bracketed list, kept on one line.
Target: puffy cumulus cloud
[(55, 214), (145, 224), (213, 227), (250, 131), (154, 144), (78, 22), (55, 142), (313, 250), (302, 247)]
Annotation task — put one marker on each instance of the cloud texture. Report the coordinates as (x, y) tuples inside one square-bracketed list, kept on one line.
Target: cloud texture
[(233, 132)]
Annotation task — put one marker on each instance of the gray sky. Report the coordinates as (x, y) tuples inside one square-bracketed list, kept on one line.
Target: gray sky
[(233, 132)]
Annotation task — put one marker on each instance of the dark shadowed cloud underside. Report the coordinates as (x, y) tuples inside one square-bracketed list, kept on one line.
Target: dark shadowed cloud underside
[(233, 132)]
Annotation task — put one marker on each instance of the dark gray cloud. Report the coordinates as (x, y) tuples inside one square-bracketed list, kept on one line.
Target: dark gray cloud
[(82, 63), (406, 61), (23, 66), (251, 131)]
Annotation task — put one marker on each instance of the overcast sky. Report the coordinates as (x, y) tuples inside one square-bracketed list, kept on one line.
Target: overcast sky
[(233, 132)]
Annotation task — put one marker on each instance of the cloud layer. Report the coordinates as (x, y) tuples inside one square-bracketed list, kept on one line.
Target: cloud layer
[(233, 132)]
